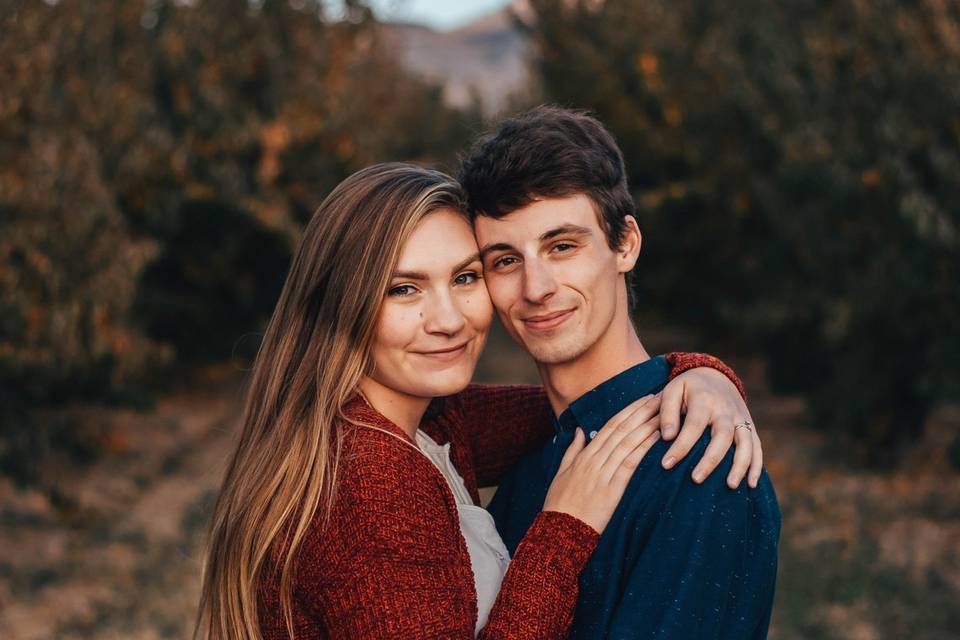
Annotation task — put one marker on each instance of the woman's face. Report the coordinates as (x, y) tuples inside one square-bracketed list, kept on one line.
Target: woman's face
[(436, 311)]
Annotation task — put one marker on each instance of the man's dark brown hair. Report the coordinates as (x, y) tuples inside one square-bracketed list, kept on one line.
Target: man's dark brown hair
[(548, 152)]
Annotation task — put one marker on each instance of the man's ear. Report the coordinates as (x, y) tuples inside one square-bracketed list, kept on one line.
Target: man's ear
[(630, 242)]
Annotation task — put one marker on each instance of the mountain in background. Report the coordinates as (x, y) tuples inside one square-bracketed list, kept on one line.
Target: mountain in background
[(485, 58)]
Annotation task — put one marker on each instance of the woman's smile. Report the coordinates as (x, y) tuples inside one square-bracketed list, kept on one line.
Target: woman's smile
[(446, 354)]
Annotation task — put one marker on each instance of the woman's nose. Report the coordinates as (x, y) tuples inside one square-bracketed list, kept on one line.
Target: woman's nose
[(444, 316)]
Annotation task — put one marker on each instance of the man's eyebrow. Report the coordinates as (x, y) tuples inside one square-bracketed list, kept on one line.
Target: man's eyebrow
[(419, 275), (496, 246), (567, 229)]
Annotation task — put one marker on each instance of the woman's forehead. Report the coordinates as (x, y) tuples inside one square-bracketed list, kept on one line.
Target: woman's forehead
[(440, 241)]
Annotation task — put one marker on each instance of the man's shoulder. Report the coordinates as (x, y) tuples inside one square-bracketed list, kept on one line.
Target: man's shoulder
[(674, 489)]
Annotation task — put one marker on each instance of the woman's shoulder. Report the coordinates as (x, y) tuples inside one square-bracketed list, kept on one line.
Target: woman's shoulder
[(378, 461), (383, 490)]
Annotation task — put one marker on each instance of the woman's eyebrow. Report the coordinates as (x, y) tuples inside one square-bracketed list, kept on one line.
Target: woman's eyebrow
[(420, 275), (410, 275), (461, 265)]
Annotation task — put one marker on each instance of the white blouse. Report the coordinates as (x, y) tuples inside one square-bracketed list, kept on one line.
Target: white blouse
[(488, 555)]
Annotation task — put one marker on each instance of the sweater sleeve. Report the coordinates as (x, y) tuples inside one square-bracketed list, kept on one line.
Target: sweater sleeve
[(397, 567), (504, 422), (681, 362)]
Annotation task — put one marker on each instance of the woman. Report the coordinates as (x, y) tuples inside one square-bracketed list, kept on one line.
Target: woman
[(349, 508)]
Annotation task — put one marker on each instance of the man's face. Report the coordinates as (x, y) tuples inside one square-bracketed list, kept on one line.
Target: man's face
[(552, 277)]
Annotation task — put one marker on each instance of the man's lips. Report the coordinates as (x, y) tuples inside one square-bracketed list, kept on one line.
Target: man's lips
[(547, 321), (447, 353)]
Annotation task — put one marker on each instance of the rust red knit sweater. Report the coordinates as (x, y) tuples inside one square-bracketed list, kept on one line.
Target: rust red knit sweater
[(392, 562)]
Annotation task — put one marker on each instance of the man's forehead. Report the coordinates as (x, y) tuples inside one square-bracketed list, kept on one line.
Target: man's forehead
[(539, 217)]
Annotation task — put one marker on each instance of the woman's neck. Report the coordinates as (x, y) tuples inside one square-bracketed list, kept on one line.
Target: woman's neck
[(404, 410)]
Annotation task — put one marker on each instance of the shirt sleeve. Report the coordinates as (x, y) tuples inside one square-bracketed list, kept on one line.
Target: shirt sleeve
[(397, 567), (706, 567)]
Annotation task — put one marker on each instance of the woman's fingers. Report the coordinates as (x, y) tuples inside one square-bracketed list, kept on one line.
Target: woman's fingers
[(623, 425), (635, 413), (630, 463), (693, 427), (671, 404), (576, 446), (720, 440), (741, 457), (617, 453), (756, 462)]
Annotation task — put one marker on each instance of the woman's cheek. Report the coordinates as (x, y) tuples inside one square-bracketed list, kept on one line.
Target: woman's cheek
[(479, 309), (398, 325)]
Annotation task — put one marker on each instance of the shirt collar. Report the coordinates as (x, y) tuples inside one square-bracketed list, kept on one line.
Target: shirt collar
[(594, 408)]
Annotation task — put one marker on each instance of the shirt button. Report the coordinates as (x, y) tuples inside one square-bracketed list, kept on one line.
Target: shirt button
[(593, 434)]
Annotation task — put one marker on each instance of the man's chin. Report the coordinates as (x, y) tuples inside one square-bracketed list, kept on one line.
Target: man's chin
[(552, 352)]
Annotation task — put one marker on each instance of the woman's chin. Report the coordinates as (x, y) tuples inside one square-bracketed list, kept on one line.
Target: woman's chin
[(445, 383)]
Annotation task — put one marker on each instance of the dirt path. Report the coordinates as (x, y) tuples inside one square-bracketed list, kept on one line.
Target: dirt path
[(121, 561)]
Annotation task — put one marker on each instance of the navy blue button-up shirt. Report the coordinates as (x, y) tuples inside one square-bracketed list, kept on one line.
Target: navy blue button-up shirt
[(677, 560)]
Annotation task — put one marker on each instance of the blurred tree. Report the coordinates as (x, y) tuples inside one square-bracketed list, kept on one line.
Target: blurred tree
[(157, 162), (797, 168)]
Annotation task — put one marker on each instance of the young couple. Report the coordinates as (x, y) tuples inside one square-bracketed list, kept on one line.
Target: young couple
[(350, 507)]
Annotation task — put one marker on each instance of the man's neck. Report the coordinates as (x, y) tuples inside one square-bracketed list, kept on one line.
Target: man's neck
[(616, 351)]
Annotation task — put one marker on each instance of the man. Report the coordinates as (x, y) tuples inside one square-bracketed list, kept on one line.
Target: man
[(683, 556)]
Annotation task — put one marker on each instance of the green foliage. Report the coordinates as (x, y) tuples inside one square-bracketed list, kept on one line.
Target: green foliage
[(157, 163), (797, 172), (218, 277)]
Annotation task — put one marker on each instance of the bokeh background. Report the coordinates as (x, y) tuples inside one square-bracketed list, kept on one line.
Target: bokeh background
[(796, 167)]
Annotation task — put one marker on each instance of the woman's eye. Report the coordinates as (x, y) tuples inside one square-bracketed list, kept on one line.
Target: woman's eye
[(401, 291), (466, 278)]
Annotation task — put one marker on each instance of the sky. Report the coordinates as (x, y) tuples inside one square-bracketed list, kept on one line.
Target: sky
[(439, 14)]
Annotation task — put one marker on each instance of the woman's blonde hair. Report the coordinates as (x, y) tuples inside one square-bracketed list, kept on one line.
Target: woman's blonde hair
[(313, 355)]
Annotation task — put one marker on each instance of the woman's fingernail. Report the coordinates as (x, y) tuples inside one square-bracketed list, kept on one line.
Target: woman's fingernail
[(668, 462), (698, 476)]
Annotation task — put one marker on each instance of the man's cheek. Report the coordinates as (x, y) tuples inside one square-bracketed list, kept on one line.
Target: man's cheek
[(499, 291)]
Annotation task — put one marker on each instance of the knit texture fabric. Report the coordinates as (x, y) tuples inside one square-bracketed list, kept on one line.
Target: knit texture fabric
[(392, 563)]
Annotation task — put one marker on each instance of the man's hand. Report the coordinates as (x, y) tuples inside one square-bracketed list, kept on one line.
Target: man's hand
[(706, 396)]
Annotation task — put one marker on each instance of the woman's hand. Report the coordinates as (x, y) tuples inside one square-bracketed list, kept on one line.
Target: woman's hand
[(707, 396), (592, 477)]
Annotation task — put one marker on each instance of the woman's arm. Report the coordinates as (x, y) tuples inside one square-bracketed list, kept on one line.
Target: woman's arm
[(395, 565), (504, 422)]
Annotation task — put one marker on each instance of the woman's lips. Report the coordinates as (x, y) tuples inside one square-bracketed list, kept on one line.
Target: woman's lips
[(446, 355), (547, 321)]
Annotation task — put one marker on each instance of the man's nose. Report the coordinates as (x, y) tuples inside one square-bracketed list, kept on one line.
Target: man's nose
[(538, 282)]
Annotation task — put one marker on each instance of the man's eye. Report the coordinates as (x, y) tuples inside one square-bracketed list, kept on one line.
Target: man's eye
[(505, 261), (563, 246), (402, 291), (466, 278)]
